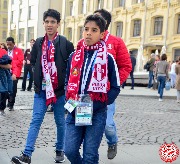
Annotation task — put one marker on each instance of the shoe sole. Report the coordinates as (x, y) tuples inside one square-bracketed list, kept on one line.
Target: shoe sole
[(16, 161), (59, 161)]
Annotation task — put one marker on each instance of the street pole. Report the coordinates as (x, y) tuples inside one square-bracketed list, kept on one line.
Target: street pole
[(165, 38)]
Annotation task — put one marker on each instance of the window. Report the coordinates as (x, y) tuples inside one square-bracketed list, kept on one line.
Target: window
[(4, 35), (32, 12), (5, 4), (121, 3), (12, 2), (30, 33), (178, 27), (13, 17), (83, 7), (69, 30), (158, 24), (21, 35), (70, 8), (80, 32), (137, 28), (13, 34), (4, 21), (119, 29)]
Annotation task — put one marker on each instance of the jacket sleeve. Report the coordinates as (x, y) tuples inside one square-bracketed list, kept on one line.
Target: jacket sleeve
[(113, 77), (123, 61), (69, 47), (33, 54)]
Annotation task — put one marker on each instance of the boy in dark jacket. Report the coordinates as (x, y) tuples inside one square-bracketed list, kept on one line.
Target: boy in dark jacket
[(5, 79), (89, 70), (49, 57)]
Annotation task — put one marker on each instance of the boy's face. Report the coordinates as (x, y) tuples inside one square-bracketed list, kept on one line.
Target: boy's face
[(10, 45), (91, 33), (51, 25)]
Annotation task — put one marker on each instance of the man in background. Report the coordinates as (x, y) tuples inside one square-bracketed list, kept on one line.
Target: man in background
[(17, 57), (28, 68)]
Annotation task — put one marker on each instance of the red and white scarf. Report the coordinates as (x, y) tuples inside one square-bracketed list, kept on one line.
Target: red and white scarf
[(49, 69), (98, 84)]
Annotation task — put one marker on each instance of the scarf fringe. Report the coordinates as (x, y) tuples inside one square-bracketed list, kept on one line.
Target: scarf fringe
[(98, 97), (50, 101)]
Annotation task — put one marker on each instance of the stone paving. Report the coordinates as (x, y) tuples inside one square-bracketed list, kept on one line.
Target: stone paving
[(139, 121)]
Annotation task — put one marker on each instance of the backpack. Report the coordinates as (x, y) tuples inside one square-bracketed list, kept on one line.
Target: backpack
[(147, 66)]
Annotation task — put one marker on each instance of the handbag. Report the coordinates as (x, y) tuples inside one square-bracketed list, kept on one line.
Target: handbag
[(168, 85)]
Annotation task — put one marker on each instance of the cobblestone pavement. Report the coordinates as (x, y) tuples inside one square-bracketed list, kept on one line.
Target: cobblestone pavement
[(139, 121)]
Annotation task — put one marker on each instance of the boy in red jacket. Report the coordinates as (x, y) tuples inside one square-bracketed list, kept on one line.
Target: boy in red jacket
[(118, 49), (17, 57)]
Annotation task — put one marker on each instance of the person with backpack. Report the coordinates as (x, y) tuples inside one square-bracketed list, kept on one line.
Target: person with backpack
[(49, 57), (150, 68)]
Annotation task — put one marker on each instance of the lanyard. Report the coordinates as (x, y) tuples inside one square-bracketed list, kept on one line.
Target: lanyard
[(86, 73)]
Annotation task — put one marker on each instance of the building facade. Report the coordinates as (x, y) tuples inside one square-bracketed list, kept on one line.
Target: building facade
[(3, 20), (26, 19), (146, 26)]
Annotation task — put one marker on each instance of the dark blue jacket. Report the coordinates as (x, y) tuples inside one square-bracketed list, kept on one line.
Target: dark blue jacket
[(113, 77), (5, 75)]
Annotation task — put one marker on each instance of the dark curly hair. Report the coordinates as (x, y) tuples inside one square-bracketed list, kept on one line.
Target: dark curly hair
[(52, 13), (100, 21), (163, 57)]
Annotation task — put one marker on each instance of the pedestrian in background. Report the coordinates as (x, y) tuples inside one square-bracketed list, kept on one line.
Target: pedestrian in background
[(177, 70), (5, 79), (133, 62), (151, 68), (173, 73), (89, 66), (49, 57), (161, 74), (28, 68), (17, 57)]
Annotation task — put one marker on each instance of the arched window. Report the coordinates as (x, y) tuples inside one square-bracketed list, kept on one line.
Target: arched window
[(137, 27), (158, 25), (119, 29)]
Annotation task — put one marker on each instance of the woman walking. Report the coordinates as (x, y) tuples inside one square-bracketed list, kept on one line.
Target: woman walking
[(161, 74)]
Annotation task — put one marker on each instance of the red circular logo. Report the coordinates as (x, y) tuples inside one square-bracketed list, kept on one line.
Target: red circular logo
[(169, 152)]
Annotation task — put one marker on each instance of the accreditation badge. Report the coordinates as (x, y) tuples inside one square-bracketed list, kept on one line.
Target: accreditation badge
[(84, 111)]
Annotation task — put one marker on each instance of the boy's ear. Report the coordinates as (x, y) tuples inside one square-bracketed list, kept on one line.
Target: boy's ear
[(102, 35)]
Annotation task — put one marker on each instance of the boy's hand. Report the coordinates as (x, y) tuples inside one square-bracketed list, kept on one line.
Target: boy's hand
[(14, 77)]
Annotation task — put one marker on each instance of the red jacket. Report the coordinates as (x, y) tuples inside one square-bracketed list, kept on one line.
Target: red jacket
[(118, 49), (17, 61)]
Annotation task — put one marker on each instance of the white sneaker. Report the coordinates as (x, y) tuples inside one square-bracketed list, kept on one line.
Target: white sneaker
[(2, 113), (178, 101), (160, 99), (158, 95)]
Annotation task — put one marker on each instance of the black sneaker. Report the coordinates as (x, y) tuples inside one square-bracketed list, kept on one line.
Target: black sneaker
[(112, 151), (11, 108), (22, 90), (59, 157), (21, 159)]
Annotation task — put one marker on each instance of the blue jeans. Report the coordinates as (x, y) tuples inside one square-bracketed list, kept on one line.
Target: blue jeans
[(39, 110), (110, 129), (161, 86), (90, 136), (151, 77)]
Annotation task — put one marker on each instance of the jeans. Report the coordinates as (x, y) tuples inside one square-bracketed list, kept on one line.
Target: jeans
[(178, 95), (12, 96), (173, 80), (151, 77), (110, 129), (90, 136), (162, 81), (27, 68), (39, 110)]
